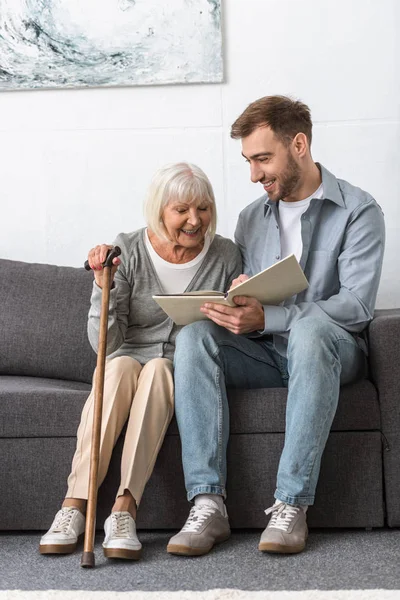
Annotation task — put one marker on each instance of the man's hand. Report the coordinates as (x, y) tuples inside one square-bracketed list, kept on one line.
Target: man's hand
[(246, 317)]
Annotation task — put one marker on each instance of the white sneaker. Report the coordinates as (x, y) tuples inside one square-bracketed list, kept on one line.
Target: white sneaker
[(62, 537), (121, 540)]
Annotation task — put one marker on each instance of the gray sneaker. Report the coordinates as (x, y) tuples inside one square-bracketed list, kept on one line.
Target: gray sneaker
[(287, 531), (204, 527)]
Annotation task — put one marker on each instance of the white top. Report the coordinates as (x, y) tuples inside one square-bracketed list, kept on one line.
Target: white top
[(290, 224), (175, 278)]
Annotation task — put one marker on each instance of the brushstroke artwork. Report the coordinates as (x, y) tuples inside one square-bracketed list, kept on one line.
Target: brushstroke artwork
[(85, 43)]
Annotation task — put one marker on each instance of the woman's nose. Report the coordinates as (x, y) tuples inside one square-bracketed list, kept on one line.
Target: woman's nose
[(194, 217)]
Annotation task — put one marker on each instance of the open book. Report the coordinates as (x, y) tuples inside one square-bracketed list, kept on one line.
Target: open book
[(271, 286)]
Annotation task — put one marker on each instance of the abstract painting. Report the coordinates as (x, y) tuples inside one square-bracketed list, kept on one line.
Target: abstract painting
[(87, 43)]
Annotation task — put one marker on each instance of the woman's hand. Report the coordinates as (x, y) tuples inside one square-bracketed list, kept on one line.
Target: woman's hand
[(238, 280), (96, 257)]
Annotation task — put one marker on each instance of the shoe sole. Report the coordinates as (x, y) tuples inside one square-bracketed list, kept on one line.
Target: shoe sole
[(280, 548), (182, 550), (57, 548), (187, 550), (122, 553)]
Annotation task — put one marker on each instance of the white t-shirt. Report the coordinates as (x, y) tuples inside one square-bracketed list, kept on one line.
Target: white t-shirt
[(290, 224), (175, 278)]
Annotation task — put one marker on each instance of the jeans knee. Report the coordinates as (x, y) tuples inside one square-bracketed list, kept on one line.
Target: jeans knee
[(307, 336), (193, 337)]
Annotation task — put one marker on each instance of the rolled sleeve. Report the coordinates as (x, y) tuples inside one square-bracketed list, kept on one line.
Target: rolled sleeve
[(275, 319)]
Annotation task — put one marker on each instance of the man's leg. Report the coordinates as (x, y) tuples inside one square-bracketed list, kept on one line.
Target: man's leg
[(208, 358), (321, 357)]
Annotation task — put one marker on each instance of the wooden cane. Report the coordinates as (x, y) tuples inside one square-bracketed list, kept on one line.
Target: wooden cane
[(88, 560)]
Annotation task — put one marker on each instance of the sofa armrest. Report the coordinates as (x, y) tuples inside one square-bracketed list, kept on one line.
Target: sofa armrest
[(384, 359)]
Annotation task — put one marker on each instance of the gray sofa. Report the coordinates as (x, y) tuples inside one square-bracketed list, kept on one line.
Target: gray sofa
[(46, 365)]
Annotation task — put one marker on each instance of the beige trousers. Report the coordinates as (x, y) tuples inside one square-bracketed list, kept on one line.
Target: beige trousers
[(141, 395)]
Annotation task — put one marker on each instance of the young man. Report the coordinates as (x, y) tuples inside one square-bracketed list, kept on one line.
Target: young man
[(312, 343)]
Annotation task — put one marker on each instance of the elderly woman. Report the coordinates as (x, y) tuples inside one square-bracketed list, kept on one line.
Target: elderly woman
[(177, 252)]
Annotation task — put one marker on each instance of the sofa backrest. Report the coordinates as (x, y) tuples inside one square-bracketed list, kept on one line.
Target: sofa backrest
[(43, 320)]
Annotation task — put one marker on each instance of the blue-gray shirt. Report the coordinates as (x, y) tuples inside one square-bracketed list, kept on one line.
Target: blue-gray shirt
[(343, 237)]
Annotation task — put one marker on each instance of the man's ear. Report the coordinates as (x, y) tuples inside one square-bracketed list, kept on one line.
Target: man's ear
[(300, 145)]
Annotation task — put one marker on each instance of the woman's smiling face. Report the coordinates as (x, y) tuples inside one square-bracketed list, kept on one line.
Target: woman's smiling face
[(186, 223)]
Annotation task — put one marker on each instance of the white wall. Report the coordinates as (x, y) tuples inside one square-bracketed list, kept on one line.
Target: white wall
[(75, 164)]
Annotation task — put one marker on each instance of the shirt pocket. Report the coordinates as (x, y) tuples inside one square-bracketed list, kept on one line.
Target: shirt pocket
[(321, 270)]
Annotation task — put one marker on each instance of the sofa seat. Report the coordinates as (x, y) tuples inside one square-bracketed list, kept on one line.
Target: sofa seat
[(352, 462), (39, 418), (37, 407), (263, 411), (46, 367)]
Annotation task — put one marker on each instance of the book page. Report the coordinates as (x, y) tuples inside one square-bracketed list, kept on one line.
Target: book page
[(273, 285), (186, 309), (198, 293)]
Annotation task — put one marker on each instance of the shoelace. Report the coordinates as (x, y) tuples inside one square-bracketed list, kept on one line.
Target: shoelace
[(282, 515), (62, 520), (198, 514), (120, 525)]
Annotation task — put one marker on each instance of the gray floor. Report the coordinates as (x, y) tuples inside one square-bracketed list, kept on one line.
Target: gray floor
[(334, 559)]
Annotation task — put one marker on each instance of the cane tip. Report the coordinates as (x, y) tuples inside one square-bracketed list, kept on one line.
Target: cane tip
[(87, 561)]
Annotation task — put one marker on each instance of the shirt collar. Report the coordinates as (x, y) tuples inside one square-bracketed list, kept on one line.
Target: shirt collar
[(330, 185)]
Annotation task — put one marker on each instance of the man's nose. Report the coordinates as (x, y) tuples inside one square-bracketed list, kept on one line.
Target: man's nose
[(256, 174)]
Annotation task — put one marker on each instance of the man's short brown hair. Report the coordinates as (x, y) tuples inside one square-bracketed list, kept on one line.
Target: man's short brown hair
[(286, 118)]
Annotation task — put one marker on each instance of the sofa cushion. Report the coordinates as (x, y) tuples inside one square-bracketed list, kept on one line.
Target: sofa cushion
[(255, 411), (43, 321), (263, 410), (36, 407)]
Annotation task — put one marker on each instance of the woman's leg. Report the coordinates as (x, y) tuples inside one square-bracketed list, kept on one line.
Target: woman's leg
[(126, 503), (151, 412), (120, 382)]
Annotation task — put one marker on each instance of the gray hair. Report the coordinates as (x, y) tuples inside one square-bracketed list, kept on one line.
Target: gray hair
[(183, 182)]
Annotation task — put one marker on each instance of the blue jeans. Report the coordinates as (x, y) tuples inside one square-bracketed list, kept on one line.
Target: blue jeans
[(320, 357)]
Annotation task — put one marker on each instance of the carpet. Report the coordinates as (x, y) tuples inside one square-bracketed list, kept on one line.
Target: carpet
[(208, 595), (333, 560)]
